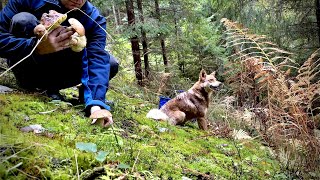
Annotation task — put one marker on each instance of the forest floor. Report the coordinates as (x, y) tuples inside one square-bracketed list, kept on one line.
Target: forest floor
[(67, 147)]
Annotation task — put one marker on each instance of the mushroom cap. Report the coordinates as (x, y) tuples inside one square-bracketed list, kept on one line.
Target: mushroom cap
[(102, 113), (53, 19), (77, 26)]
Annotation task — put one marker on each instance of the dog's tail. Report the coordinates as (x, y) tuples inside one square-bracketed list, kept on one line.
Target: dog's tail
[(157, 115)]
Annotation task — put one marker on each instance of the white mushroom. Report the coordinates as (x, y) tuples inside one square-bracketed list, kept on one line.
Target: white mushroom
[(78, 39), (77, 26), (103, 116)]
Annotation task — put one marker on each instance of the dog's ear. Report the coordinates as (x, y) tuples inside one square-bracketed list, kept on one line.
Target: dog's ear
[(213, 73), (202, 75)]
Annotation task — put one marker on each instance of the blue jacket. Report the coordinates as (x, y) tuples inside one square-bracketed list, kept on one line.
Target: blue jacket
[(95, 59)]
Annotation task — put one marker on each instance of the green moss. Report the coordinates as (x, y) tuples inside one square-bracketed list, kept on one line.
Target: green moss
[(154, 149)]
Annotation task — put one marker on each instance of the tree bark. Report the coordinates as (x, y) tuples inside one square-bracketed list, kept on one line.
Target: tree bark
[(317, 2), (119, 16), (144, 41), (134, 42), (181, 62), (162, 41), (115, 16), (164, 50)]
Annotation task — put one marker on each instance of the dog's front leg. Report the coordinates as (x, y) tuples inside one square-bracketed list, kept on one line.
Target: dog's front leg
[(202, 123)]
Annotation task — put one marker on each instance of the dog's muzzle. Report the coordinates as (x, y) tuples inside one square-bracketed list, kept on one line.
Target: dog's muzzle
[(216, 87)]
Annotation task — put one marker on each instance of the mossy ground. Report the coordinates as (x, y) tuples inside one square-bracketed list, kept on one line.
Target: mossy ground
[(136, 147)]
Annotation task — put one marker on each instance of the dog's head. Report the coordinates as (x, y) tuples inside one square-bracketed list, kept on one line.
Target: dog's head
[(209, 82)]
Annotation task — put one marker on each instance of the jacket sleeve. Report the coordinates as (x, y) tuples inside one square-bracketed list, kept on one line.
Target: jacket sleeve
[(96, 67), (11, 46)]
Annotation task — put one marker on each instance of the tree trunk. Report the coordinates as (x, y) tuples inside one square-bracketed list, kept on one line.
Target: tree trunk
[(134, 42), (144, 41), (164, 51), (162, 41), (181, 62), (318, 17), (119, 16), (115, 16)]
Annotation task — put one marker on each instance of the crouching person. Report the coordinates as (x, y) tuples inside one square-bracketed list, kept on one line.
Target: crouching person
[(53, 65)]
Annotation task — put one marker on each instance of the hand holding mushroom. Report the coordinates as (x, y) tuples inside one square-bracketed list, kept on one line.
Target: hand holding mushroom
[(50, 22), (78, 39), (100, 116)]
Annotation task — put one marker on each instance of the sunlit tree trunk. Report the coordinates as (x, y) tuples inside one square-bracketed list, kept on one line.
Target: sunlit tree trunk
[(134, 42), (181, 62), (119, 16), (115, 16), (162, 41), (144, 41)]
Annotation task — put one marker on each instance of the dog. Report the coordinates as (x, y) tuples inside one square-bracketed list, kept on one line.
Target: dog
[(191, 104)]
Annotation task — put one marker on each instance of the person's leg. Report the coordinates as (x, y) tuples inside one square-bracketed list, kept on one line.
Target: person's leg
[(22, 25), (59, 71)]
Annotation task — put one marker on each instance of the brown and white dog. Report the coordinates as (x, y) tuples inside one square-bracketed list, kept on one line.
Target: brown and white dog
[(191, 104)]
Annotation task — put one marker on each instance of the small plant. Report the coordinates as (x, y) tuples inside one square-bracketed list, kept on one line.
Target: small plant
[(92, 148)]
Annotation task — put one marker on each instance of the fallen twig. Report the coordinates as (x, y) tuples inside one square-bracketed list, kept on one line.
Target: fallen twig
[(115, 136), (135, 161), (197, 173), (14, 167), (27, 174), (15, 154), (92, 173), (47, 112), (75, 156)]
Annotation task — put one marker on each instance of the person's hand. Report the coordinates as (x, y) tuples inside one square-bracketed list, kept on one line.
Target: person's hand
[(92, 110), (57, 40)]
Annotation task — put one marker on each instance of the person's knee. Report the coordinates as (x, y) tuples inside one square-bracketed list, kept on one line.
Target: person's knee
[(114, 66), (22, 24)]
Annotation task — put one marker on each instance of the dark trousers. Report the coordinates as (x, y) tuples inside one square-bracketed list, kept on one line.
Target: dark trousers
[(53, 71)]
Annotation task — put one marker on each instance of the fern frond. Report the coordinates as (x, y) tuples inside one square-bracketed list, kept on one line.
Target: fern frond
[(264, 70), (276, 50)]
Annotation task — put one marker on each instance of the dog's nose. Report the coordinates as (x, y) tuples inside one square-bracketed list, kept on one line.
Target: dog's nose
[(217, 86)]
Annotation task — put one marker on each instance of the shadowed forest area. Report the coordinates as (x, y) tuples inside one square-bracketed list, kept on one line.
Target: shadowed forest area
[(263, 124)]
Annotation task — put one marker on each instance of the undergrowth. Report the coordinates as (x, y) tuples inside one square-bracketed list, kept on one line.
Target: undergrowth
[(283, 106)]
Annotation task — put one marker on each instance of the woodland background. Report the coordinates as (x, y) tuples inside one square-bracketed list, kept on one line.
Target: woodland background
[(186, 35), (265, 52)]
